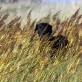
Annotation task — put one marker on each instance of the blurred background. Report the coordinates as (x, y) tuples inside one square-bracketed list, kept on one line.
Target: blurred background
[(40, 8)]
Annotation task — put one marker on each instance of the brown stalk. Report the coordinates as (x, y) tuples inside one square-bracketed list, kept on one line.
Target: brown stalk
[(47, 18), (55, 15), (29, 17), (4, 17), (44, 30), (78, 18), (56, 26), (33, 23), (29, 14), (75, 14), (13, 21)]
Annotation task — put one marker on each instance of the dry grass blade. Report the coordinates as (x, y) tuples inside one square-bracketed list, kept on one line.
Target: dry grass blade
[(57, 26), (65, 22), (78, 18), (29, 17), (58, 21), (44, 30), (75, 14), (47, 18), (33, 23), (80, 25), (73, 18), (18, 24), (29, 14), (4, 17), (1, 28), (2, 23), (55, 15), (46, 36), (60, 32), (13, 21), (32, 36)]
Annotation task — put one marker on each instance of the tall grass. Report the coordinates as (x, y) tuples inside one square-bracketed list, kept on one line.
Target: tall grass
[(25, 58), (41, 9)]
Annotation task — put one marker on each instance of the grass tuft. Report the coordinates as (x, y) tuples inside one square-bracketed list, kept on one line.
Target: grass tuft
[(25, 58)]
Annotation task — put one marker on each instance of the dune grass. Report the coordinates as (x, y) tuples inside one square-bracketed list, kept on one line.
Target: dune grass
[(24, 58)]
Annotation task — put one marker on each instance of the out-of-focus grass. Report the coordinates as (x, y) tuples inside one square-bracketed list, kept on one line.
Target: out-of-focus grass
[(41, 9), (24, 58)]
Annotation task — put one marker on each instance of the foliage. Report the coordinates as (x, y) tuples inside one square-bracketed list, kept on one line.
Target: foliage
[(25, 58)]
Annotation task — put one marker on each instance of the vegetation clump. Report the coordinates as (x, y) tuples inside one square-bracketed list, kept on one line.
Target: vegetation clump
[(26, 58)]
